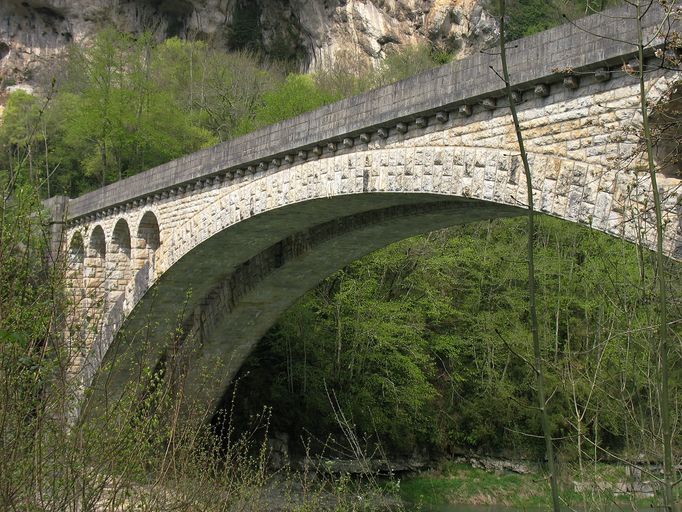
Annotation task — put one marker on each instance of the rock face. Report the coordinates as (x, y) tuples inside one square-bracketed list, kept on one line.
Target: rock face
[(311, 33), (319, 31)]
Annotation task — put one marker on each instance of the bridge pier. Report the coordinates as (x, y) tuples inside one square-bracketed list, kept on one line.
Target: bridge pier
[(57, 207)]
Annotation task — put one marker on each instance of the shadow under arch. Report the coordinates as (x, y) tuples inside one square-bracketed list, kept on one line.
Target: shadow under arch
[(76, 285), (119, 261), (94, 260), (147, 241), (77, 248), (215, 302), (219, 299), (76, 257)]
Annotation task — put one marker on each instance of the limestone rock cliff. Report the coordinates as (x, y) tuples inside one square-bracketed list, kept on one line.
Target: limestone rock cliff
[(311, 33)]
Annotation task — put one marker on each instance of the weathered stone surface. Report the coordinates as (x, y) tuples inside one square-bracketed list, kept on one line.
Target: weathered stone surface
[(496, 465), (361, 467), (314, 33)]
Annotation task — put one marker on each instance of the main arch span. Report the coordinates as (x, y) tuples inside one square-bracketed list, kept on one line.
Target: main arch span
[(213, 247)]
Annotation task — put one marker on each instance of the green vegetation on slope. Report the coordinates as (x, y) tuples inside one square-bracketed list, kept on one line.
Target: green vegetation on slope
[(527, 17), (599, 488), (424, 345), (124, 105)]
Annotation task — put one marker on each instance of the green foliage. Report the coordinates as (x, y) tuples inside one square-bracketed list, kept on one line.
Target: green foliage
[(527, 17), (117, 119), (28, 359), (425, 343), (25, 141), (220, 90), (125, 104), (296, 95), (409, 62), (25, 305), (106, 120), (21, 118)]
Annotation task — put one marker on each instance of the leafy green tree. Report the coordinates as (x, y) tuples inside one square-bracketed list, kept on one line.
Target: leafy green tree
[(118, 120), (220, 89), (26, 154), (527, 17), (296, 95)]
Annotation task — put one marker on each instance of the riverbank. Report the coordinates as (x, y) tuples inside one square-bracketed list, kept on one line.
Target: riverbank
[(459, 483)]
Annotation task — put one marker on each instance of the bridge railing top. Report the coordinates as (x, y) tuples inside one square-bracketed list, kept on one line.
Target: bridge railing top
[(604, 39)]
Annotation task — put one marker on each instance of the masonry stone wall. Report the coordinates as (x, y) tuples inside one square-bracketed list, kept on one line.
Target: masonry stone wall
[(583, 156)]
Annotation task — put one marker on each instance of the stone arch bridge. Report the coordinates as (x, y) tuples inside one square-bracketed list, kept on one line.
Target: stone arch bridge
[(221, 242)]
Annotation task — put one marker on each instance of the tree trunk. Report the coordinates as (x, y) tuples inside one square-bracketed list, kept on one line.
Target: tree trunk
[(663, 338), (539, 373)]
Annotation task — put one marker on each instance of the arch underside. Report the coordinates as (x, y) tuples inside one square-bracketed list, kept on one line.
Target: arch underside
[(222, 297)]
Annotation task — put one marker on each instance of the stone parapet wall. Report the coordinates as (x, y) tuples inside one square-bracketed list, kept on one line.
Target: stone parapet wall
[(599, 44)]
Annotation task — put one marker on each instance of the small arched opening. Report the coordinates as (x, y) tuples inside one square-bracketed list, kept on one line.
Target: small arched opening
[(76, 266), (76, 287), (148, 241), (666, 124), (76, 251), (119, 261), (95, 268)]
